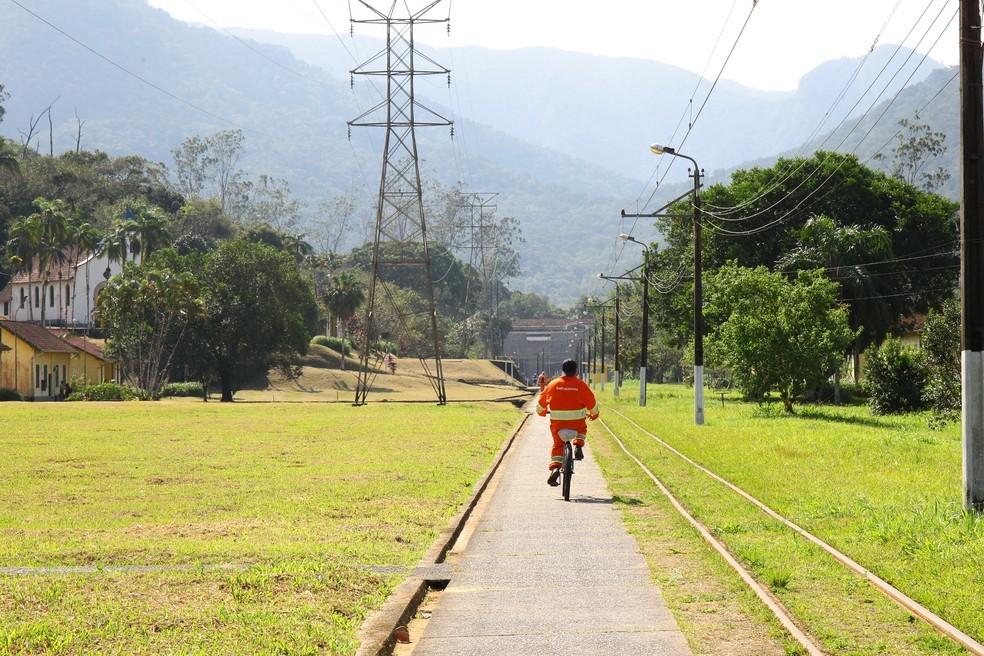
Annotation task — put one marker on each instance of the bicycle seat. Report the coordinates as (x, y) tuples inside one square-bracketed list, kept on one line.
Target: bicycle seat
[(567, 434)]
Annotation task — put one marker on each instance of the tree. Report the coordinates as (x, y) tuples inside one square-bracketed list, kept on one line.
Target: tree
[(210, 166), (48, 227), (259, 311), (146, 311), (917, 146), (83, 239), (896, 378), (343, 296), (776, 335), (843, 252), (146, 227)]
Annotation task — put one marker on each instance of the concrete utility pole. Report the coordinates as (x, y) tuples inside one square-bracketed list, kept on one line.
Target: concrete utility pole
[(618, 324), (698, 284), (644, 351), (400, 237), (971, 253)]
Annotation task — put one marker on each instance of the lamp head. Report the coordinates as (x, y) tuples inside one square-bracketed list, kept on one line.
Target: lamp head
[(625, 237), (659, 150)]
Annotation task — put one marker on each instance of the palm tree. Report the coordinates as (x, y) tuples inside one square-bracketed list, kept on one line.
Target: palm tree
[(342, 298), (52, 221), (147, 228), (298, 248), (115, 245), (22, 249), (84, 239)]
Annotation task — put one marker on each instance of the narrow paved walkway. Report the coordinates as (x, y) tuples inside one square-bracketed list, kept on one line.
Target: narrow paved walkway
[(541, 577)]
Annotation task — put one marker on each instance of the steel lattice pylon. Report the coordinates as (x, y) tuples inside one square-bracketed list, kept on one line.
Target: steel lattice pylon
[(401, 229)]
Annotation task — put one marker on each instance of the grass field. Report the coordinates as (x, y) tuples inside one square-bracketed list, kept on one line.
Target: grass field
[(884, 490), (248, 529), (323, 380)]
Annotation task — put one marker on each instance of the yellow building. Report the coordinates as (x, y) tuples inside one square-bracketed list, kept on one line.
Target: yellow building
[(37, 362), (90, 366)]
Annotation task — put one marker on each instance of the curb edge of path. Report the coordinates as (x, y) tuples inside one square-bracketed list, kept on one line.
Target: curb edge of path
[(376, 634)]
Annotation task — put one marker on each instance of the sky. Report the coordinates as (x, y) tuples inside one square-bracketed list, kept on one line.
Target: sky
[(784, 39)]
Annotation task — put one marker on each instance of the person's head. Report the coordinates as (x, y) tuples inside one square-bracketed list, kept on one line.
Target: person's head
[(569, 367)]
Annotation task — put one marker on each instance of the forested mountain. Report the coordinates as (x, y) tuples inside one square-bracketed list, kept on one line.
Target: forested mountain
[(561, 136)]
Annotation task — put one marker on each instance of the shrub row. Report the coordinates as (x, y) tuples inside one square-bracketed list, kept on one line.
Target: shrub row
[(191, 389), (9, 395), (108, 392)]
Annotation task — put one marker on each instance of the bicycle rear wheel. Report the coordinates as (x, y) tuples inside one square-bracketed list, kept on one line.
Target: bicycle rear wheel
[(568, 471)]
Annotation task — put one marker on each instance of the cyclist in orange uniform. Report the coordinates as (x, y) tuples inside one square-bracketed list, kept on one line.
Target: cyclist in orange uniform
[(542, 380), (570, 402)]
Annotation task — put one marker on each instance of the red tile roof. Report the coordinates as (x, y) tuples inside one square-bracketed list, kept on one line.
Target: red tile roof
[(40, 338), (86, 346), (58, 271)]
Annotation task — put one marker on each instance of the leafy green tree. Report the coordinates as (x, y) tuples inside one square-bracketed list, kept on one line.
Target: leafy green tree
[(83, 240), (843, 252), (259, 312), (208, 167), (774, 334), (520, 305), (146, 312), (146, 227)]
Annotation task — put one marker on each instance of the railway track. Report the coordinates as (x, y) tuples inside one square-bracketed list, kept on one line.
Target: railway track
[(775, 606)]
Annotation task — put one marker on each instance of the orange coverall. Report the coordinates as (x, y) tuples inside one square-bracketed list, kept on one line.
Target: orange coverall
[(570, 401)]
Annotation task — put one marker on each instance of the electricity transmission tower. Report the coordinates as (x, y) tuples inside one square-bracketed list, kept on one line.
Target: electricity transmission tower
[(483, 251), (400, 238)]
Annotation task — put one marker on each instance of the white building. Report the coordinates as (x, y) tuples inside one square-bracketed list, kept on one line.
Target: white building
[(70, 298)]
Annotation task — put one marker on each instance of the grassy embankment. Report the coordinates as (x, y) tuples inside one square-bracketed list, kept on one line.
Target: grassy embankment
[(266, 529), (885, 490), (323, 380)]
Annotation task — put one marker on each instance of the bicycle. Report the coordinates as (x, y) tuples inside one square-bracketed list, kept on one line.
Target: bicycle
[(567, 468)]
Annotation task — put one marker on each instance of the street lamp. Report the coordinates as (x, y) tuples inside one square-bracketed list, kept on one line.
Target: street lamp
[(657, 149), (644, 353)]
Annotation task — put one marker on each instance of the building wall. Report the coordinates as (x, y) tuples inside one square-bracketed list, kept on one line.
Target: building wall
[(16, 365), (90, 370), (69, 304)]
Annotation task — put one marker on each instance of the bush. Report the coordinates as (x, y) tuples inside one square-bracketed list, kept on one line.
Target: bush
[(334, 343), (895, 378), (108, 392), (941, 343), (183, 389), (9, 395)]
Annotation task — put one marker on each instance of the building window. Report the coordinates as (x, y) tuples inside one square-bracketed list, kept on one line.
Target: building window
[(23, 297), (6, 308), (51, 296), (37, 376), (68, 296), (37, 296)]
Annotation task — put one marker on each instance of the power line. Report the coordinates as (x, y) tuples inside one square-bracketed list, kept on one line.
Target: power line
[(857, 124), (693, 122), (134, 75), (785, 217)]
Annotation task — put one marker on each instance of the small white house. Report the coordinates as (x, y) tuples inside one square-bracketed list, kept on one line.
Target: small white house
[(70, 297)]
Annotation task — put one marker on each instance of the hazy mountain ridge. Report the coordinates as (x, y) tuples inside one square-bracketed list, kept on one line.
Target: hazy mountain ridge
[(548, 146)]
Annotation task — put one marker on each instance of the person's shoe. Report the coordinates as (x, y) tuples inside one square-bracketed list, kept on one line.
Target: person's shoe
[(578, 453), (554, 479)]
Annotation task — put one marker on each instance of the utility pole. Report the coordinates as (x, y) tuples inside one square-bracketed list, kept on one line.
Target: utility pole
[(618, 319), (698, 304), (971, 253), (400, 236)]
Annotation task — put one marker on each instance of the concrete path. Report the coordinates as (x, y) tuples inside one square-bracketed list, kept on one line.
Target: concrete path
[(540, 576)]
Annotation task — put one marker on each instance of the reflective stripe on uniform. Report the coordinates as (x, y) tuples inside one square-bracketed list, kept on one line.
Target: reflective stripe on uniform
[(568, 415), (557, 458), (594, 410)]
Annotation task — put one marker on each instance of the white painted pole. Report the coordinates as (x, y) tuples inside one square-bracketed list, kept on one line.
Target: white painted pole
[(642, 387), (973, 425), (699, 395), (618, 383)]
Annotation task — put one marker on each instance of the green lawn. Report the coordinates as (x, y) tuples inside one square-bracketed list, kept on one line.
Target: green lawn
[(885, 490), (273, 529)]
